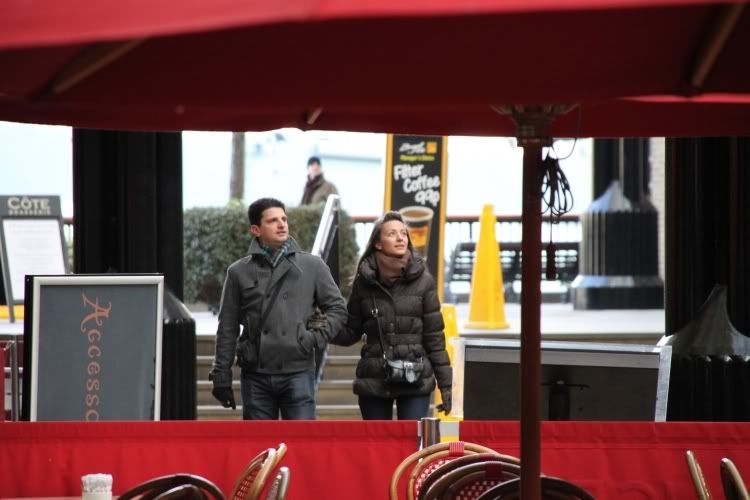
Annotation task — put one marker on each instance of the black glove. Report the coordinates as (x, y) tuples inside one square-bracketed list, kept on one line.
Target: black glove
[(317, 321), (318, 324), (447, 403), (225, 396)]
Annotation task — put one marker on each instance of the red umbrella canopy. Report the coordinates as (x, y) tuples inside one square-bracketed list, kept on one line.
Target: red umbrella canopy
[(428, 66), (399, 66)]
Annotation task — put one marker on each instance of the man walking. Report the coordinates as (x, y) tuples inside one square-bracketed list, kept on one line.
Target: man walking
[(272, 293)]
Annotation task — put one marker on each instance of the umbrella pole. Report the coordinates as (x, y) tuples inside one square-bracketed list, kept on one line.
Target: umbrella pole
[(533, 123), (531, 300)]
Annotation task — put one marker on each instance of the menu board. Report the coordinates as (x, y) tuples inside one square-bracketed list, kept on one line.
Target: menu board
[(31, 242), (416, 186), (33, 247)]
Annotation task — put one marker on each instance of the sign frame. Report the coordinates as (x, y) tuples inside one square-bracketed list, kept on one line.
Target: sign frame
[(28, 209), (609, 361), (92, 320)]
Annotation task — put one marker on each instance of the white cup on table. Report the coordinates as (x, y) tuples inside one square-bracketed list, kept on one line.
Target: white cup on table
[(96, 487)]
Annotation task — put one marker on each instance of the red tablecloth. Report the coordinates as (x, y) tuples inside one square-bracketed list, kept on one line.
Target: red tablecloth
[(327, 459), (627, 460), (353, 459)]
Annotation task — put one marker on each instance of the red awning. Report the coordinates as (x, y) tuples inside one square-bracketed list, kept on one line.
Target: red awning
[(414, 66), (431, 66)]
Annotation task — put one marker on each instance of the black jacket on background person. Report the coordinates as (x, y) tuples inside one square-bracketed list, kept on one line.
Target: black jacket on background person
[(284, 345), (410, 320)]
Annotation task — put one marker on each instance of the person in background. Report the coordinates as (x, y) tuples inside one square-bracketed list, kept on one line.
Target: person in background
[(272, 294), (394, 306), (317, 188)]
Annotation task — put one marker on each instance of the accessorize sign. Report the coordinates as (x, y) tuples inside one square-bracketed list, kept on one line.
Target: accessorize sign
[(415, 186), (92, 347)]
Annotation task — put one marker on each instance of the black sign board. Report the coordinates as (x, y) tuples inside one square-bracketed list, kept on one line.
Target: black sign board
[(92, 347), (31, 242), (416, 186)]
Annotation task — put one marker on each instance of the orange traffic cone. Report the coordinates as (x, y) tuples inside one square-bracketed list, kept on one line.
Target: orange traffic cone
[(486, 301)]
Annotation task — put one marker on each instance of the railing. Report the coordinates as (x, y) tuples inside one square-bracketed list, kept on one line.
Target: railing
[(463, 228), (326, 246), (462, 231), (458, 228)]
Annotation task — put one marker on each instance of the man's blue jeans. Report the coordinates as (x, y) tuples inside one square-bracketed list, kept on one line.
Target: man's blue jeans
[(292, 394)]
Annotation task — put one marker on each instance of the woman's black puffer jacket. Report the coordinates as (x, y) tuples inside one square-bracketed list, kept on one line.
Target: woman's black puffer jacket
[(410, 320)]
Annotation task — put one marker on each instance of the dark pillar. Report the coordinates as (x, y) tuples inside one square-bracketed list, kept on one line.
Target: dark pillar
[(606, 164), (693, 168), (707, 243), (707, 234), (625, 160), (127, 192), (738, 277), (618, 257), (635, 171)]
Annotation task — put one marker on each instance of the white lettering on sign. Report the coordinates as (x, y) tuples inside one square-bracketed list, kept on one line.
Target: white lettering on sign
[(413, 148), (426, 188), (426, 196), (406, 171), (25, 205), (420, 183)]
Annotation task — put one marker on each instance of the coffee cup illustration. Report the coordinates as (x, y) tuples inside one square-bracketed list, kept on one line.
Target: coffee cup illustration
[(418, 220)]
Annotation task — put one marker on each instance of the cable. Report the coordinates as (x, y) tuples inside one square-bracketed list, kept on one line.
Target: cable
[(575, 137), (557, 200)]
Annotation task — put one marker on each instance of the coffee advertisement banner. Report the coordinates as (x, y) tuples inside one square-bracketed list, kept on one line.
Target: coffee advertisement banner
[(416, 186)]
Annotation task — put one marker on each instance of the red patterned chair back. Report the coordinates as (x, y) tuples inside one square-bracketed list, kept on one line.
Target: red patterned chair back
[(510, 461), (553, 488), (469, 481), (428, 459), (254, 480)]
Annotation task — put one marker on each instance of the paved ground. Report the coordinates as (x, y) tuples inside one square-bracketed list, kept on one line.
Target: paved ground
[(559, 322)]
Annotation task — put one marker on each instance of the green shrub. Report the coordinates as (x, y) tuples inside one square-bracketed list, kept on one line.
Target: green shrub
[(217, 236)]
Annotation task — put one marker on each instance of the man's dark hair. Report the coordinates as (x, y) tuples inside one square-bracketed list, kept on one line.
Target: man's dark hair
[(256, 209), (313, 159)]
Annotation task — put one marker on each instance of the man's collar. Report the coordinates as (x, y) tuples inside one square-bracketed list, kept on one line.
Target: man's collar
[(265, 245), (256, 246)]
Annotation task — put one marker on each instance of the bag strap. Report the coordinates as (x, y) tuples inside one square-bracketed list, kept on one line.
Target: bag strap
[(376, 313), (269, 306)]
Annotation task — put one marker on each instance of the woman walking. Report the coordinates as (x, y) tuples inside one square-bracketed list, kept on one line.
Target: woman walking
[(395, 308)]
